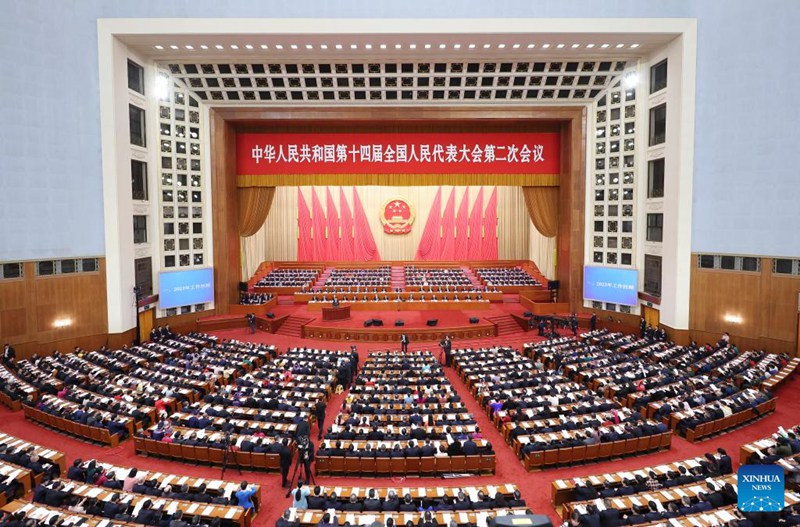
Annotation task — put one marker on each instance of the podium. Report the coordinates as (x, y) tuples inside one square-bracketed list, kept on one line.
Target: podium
[(335, 313)]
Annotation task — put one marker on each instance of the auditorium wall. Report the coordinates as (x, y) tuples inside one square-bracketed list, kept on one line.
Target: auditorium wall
[(30, 307), (761, 307), (277, 239)]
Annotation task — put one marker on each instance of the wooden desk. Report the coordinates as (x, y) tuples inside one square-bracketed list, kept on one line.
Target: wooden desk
[(309, 518), (51, 456), (336, 313)]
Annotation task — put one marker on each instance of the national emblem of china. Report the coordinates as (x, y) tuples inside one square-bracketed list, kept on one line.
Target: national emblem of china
[(397, 216)]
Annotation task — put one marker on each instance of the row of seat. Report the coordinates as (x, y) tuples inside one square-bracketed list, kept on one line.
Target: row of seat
[(392, 466), (782, 376), (703, 431), (92, 433), (598, 452), (205, 455)]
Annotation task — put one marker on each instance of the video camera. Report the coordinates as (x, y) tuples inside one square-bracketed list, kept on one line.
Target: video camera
[(304, 448)]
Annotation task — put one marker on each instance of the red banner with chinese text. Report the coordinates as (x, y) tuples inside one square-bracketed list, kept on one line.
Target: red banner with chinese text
[(398, 153)]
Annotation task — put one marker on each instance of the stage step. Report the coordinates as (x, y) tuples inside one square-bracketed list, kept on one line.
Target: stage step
[(511, 298), (323, 277), (472, 278), (506, 325), (285, 300), (292, 327), (398, 277)]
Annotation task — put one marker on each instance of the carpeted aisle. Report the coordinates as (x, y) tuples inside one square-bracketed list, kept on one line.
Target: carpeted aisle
[(535, 485)]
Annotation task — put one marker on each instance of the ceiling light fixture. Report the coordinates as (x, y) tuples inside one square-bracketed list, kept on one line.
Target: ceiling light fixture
[(471, 46), (501, 46), (293, 46), (383, 46), (187, 46), (353, 46), (234, 46), (545, 46), (604, 46), (515, 46), (203, 46), (487, 46), (412, 46), (278, 46), (456, 46), (590, 46), (634, 46), (323, 46), (158, 47), (620, 46), (531, 46), (442, 46), (427, 46), (309, 46), (560, 46), (339, 46), (173, 46), (367, 46), (574, 46), (631, 80), (219, 46), (398, 46)]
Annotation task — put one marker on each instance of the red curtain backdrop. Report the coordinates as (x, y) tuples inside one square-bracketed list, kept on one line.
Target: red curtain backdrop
[(428, 248), (474, 246), (461, 241), (364, 243), (447, 244), (333, 227), (346, 242), (305, 250), (489, 245), (319, 223)]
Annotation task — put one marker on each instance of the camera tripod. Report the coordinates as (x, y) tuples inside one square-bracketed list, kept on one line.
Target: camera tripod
[(297, 464), (229, 453)]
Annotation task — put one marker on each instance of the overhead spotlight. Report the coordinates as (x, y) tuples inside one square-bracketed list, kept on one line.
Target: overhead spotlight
[(471, 46), (264, 46), (634, 46), (353, 46), (383, 46), (367, 46), (604, 46), (442, 46), (173, 46), (590, 46), (158, 47), (427, 46), (574, 46), (620, 46), (323, 46), (560, 46), (545, 46), (248, 46), (278, 46), (398, 46), (515, 46), (203, 46), (531, 46), (339, 46), (631, 80), (187, 46), (234, 46), (219, 46), (412, 46), (501, 46), (309, 46), (293, 46), (487, 46), (456, 46)]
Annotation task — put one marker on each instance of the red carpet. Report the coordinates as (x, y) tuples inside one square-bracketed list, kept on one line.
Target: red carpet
[(535, 486)]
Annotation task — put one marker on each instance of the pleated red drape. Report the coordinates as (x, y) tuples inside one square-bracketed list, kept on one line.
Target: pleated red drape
[(475, 243), (447, 230), (364, 243), (489, 245), (319, 223), (305, 250), (333, 227), (428, 248), (346, 241), (462, 220)]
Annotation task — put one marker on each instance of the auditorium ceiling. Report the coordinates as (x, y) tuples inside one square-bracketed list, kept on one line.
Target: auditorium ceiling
[(314, 70)]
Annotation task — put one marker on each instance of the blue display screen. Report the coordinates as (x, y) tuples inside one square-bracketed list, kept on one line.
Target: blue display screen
[(611, 284), (184, 288)]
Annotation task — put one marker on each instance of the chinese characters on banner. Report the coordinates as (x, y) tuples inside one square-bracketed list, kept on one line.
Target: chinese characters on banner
[(401, 153)]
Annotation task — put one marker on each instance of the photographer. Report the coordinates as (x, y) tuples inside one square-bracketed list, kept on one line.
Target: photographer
[(305, 452), (251, 320)]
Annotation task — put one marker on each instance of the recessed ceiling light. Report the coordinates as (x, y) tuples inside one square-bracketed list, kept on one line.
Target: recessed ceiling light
[(487, 46), (398, 46), (471, 46), (501, 46), (278, 46), (515, 46), (442, 46), (173, 46), (620, 46), (545, 46), (560, 46), (412, 46), (631, 80), (634, 46), (604, 46), (456, 46), (590, 46), (338, 46), (309, 46), (368, 46), (323, 46), (203, 46), (353, 46), (383, 46), (159, 47), (219, 46), (248, 46), (531, 46), (293, 46), (264, 46), (427, 46), (576, 46), (187, 46), (234, 46)]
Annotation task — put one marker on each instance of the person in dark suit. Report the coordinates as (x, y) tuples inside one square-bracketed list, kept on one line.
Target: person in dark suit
[(285, 455), (319, 412), (404, 342), (372, 503), (725, 462), (593, 322), (286, 521), (9, 354), (610, 517), (113, 507), (470, 448)]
